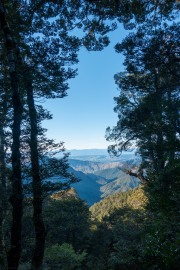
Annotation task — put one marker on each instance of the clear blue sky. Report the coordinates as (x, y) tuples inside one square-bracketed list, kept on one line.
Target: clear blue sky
[(81, 118)]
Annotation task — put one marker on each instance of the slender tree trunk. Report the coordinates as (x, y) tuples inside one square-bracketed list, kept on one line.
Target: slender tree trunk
[(17, 193), (37, 186), (3, 195), (3, 200), (171, 134), (17, 196)]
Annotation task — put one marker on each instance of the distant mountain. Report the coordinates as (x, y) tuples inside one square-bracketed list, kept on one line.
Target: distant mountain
[(100, 157), (93, 152), (117, 181), (88, 152), (84, 165), (88, 188), (122, 184), (92, 187), (101, 178), (110, 173), (97, 155), (87, 166)]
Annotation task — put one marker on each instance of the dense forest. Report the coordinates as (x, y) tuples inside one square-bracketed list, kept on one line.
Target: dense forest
[(45, 225)]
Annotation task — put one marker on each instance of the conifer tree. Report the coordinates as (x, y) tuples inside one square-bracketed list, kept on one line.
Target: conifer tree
[(148, 106), (40, 50), (16, 198)]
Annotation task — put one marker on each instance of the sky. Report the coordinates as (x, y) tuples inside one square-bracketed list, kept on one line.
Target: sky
[(81, 118)]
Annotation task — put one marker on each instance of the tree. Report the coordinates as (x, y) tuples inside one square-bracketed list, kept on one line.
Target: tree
[(45, 71), (64, 257), (16, 198), (149, 91), (67, 219), (39, 67), (117, 238), (148, 119)]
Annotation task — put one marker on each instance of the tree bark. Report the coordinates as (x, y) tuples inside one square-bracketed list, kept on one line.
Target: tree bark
[(3, 200), (17, 196), (138, 175), (37, 186)]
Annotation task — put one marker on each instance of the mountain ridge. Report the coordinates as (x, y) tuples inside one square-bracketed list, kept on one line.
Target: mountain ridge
[(103, 182)]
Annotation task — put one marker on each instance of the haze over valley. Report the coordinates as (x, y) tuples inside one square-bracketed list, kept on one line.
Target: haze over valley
[(100, 175)]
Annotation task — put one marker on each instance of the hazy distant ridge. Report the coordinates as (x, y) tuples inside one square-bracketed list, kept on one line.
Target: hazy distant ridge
[(88, 152), (87, 166), (99, 179)]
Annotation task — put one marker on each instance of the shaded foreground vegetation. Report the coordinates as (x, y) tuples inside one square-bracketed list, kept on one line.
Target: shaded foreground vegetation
[(116, 233)]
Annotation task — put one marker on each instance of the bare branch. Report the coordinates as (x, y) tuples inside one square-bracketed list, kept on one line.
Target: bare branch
[(138, 175)]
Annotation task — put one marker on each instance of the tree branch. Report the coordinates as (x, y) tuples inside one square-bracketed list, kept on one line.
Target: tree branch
[(138, 175)]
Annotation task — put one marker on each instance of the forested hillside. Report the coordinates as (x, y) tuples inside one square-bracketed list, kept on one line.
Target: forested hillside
[(44, 224), (116, 181), (87, 166), (99, 179), (134, 199)]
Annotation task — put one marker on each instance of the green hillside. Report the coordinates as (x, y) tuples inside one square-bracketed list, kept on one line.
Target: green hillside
[(102, 183), (134, 199), (109, 173), (117, 181)]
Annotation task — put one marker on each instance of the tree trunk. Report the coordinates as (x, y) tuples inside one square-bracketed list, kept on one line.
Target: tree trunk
[(3, 200), (37, 186), (17, 193), (17, 196)]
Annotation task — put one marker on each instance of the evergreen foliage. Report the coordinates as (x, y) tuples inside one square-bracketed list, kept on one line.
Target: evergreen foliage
[(134, 199), (67, 220), (63, 257), (148, 118), (40, 50)]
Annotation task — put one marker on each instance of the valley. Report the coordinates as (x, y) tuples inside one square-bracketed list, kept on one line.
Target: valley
[(101, 176)]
